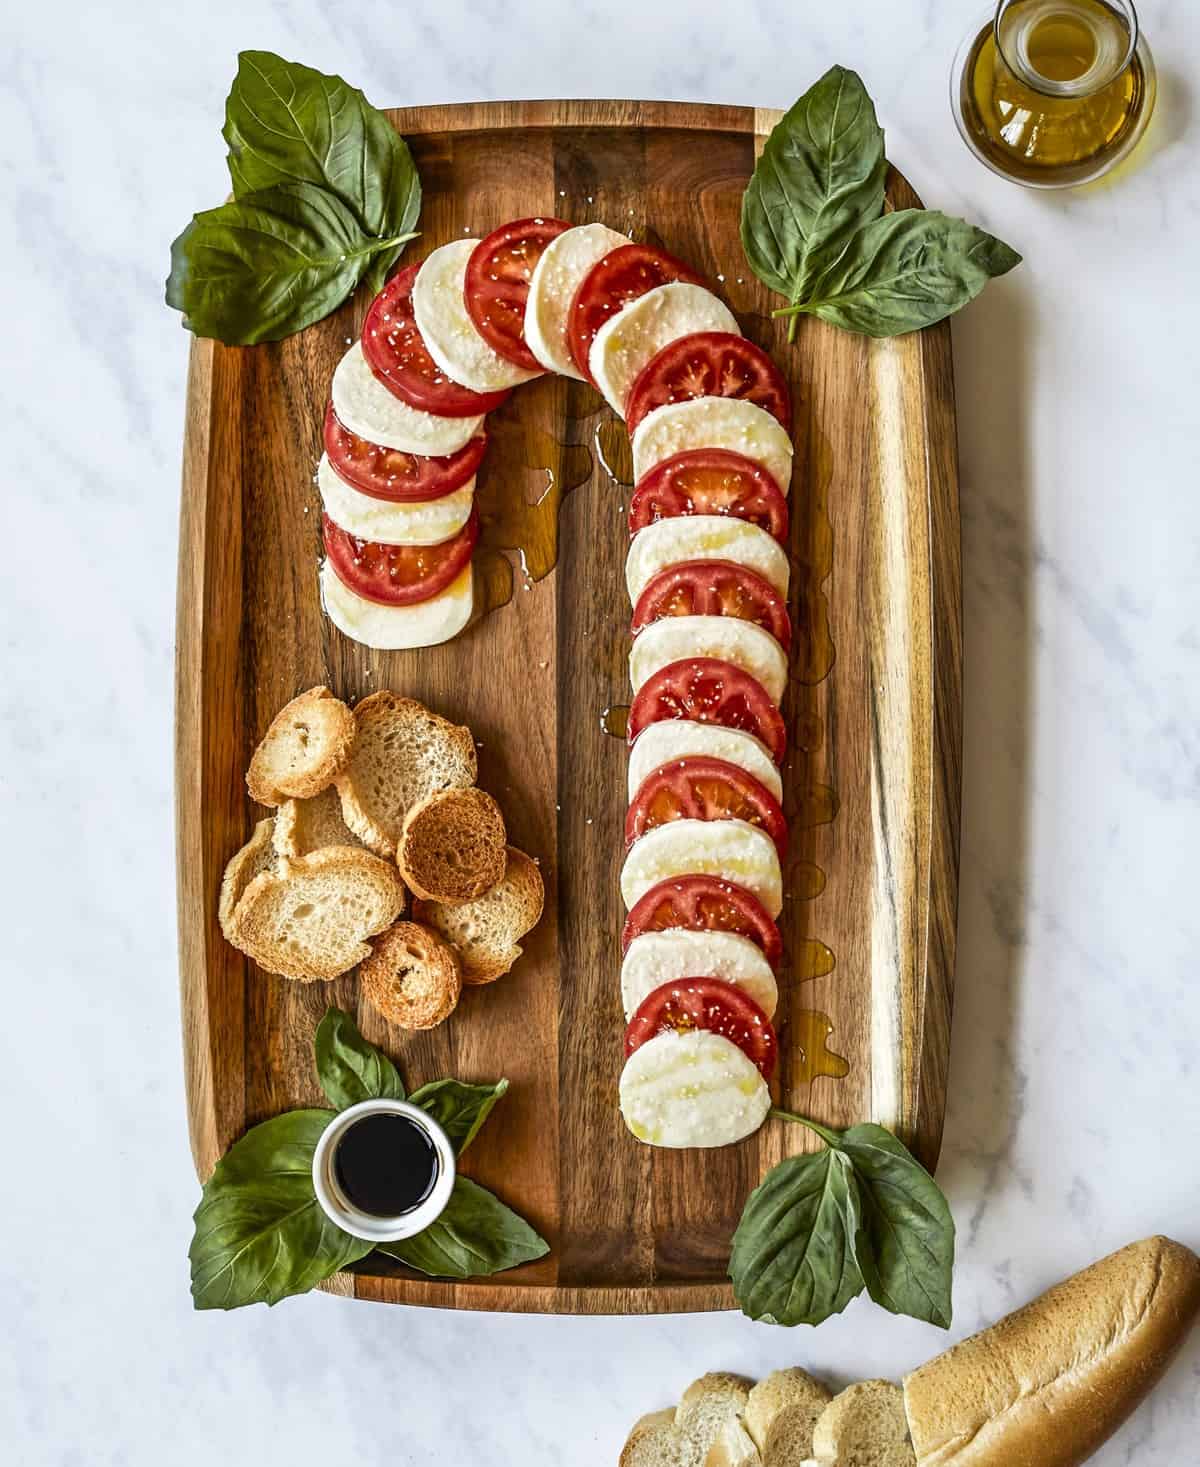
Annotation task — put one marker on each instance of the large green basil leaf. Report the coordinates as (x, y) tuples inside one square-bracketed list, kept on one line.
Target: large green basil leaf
[(476, 1235), (821, 175), (460, 1109), (904, 271), (286, 123), (351, 1070), (260, 1234), (793, 1251), (268, 265), (905, 1242)]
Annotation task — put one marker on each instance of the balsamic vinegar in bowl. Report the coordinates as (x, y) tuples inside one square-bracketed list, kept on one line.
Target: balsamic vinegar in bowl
[(386, 1165)]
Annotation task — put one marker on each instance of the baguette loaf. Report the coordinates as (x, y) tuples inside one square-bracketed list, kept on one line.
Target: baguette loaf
[(1048, 1385)]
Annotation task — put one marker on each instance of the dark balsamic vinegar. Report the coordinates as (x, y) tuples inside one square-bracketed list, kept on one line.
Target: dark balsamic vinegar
[(385, 1165)]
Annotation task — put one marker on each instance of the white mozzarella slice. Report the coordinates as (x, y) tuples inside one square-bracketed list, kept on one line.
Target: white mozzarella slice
[(728, 638), (674, 739), (692, 1089), (713, 422), (684, 537), (656, 958), (365, 406), (639, 330), (397, 628), (393, 521), (556, 277), (446, 327), (733, 850)]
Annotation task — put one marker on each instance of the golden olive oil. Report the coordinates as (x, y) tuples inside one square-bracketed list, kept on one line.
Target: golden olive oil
[(1060, 96)]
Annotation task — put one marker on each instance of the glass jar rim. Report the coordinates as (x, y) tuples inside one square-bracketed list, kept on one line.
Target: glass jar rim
[(1082, 86)]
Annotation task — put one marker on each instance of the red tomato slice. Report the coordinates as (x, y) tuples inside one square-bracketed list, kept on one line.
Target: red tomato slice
[(700, 788), (709, 364), (706, 1003), (398, 356), (714, 588), (710, 481), (397, 575), (708, 690), (617, 279), (386, 473), (704, 904), (497, 287)]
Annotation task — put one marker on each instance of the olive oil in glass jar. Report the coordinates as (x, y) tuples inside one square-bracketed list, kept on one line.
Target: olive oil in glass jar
[(1053, 93)]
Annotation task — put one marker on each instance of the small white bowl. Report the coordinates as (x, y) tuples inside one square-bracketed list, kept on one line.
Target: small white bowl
[(338, 1208)]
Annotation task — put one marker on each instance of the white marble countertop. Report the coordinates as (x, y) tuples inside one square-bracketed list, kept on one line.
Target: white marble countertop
[(1075, 1095)]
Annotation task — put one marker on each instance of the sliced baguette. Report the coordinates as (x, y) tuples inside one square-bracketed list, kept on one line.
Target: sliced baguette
[(412, 976), (307, 744), (310, 918), (733, 1447), (864, 1426), (402, 754), (1050, 1383), (487, 930), (452, 846), (304, 826), (781, 1413), (654, 1442), (256, 856), (685, 1436)]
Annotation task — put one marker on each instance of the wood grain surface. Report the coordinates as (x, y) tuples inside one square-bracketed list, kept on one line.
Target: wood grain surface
[(873, 708)]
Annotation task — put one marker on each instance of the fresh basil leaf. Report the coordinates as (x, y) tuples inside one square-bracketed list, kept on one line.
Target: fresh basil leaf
[(793, 1251), (476, 1235), (460, 1109), (260, 1234), (905, 1242), (268, 265), (351, 1070), (821, 174), (286, 123), (907, 270)]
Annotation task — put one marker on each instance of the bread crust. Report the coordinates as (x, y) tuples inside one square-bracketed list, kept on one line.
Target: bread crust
[(1050, 1383), (412, 977), (307, 745), (452, 846)]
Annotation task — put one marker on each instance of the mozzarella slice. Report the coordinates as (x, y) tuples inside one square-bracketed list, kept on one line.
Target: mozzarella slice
[(365, 406), (679, 738), (391, 521), (684, 537), (713, 422), (656, 958), (728, 638), (627, 341), (733, 850), (556, 277), (692, 1089), (397, 628), (446, 328)]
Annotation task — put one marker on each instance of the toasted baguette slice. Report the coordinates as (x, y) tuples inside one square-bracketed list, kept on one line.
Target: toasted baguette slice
[(781, 1414), (1050, 1383), (452, 846), (403, 754), (307, 744), (864, 1426), (412, 976), (310, 918), (304, 826), (256, 856), (487, 930)]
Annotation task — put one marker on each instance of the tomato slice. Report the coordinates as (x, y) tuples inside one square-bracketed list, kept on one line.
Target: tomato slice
[(709, 364), (714, 588), (708, 690), (710, 481), (497, 285), (706, 1003), (397, 354), (704, 904), (387, 473), (700, 788), (620, 277), (397, 575)]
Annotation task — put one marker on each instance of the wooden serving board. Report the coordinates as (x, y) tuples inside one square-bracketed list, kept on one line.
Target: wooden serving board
[(873, 712)]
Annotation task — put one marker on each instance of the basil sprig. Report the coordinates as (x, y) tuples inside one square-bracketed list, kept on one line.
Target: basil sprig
[(862, 1213), (260, 1234), (325, 195), (813, 227)]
